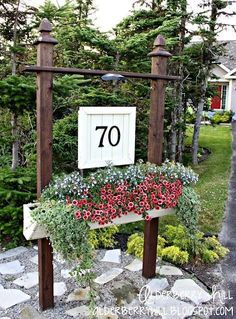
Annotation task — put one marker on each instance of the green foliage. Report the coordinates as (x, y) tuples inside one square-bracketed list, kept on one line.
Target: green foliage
[(177, 246), (221, 117), (16, 189), (135, 245), (5, 139), (176, 236), (188, 209), (17, 94), (66, 89), (103, 238), (213, 244), (209, 256), (190, 118), (69, 237), (175, 255), (65, 143)]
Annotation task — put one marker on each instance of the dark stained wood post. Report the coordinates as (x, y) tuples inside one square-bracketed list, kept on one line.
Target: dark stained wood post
[(45, 45), (155, 146)]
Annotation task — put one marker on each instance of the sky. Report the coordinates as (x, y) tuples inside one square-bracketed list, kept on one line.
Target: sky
[(111, 12)]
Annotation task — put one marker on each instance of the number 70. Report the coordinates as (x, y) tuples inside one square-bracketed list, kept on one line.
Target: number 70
[(104, 128)]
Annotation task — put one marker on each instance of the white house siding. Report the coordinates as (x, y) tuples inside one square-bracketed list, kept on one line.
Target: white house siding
[(232, 95), (220, 73)]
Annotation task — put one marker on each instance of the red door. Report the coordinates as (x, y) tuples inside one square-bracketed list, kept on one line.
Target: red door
[(216, 100)]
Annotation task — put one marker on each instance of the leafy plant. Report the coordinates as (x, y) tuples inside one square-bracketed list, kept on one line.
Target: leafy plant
[(103, 237), (136, 243), (175, 255), (188, 208), (16, 189), (221, 117), (65, 143), (177, 246)]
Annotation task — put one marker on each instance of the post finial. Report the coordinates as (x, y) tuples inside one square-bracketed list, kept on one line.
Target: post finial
[(45, 26), (159, 41), (159, 50)]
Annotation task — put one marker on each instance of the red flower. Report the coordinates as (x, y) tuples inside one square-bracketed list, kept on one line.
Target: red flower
[(78, 214), (74, 202)]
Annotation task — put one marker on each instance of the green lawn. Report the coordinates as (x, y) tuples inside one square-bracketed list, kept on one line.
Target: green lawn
[(213, 175)]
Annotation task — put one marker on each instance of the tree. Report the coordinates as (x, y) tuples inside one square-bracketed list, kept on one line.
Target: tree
[(135, 35), (13, 32), (17, 96), (209, 50)]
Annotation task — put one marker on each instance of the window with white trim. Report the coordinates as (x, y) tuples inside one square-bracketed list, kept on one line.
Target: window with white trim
[(224, 97)]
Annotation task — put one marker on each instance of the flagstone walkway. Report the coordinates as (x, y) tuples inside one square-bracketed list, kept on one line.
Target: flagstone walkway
[(172, 294)]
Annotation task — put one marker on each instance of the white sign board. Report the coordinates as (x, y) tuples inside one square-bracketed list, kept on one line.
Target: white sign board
[(106, 134)]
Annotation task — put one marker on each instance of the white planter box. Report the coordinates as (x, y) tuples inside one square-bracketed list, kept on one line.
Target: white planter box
[(32, 230)]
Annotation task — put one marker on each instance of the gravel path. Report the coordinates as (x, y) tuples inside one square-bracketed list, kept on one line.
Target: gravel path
[(120, 292)]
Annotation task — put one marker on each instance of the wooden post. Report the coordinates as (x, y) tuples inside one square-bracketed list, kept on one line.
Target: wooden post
[(45, 45), (155, 146)]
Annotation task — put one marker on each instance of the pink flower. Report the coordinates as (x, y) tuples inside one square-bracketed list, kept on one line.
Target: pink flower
[(74, 202), (78, 214)]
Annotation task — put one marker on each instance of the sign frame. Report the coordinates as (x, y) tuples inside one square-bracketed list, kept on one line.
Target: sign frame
[(121, 150)]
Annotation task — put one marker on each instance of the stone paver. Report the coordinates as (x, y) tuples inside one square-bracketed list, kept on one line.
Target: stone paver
[(156, 285), (28, 280), (125, 293), (35, 261), (108, 276), (11, 297), (77, 312), (80, 294), (65, 273), (59, 259), (135, 265), (59, 288), (167, 270), (102, 313), (187, 288), (112, 256), (13, 252), (11, 268), (168, 307), (30, 313)]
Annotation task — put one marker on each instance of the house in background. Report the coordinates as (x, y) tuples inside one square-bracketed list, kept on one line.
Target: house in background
[(225, 82)]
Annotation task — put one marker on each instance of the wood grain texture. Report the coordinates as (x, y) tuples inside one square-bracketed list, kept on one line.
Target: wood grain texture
[(155, 147), (45, 45)]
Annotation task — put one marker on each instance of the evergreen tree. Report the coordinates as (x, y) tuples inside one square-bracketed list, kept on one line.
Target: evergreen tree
[(208, 51)]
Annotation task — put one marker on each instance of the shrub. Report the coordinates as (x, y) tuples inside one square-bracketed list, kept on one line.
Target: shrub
[(175, 255), (65, 143), (16, 189), (136, 243), (177, 246), (103, 238), (221, 117)]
